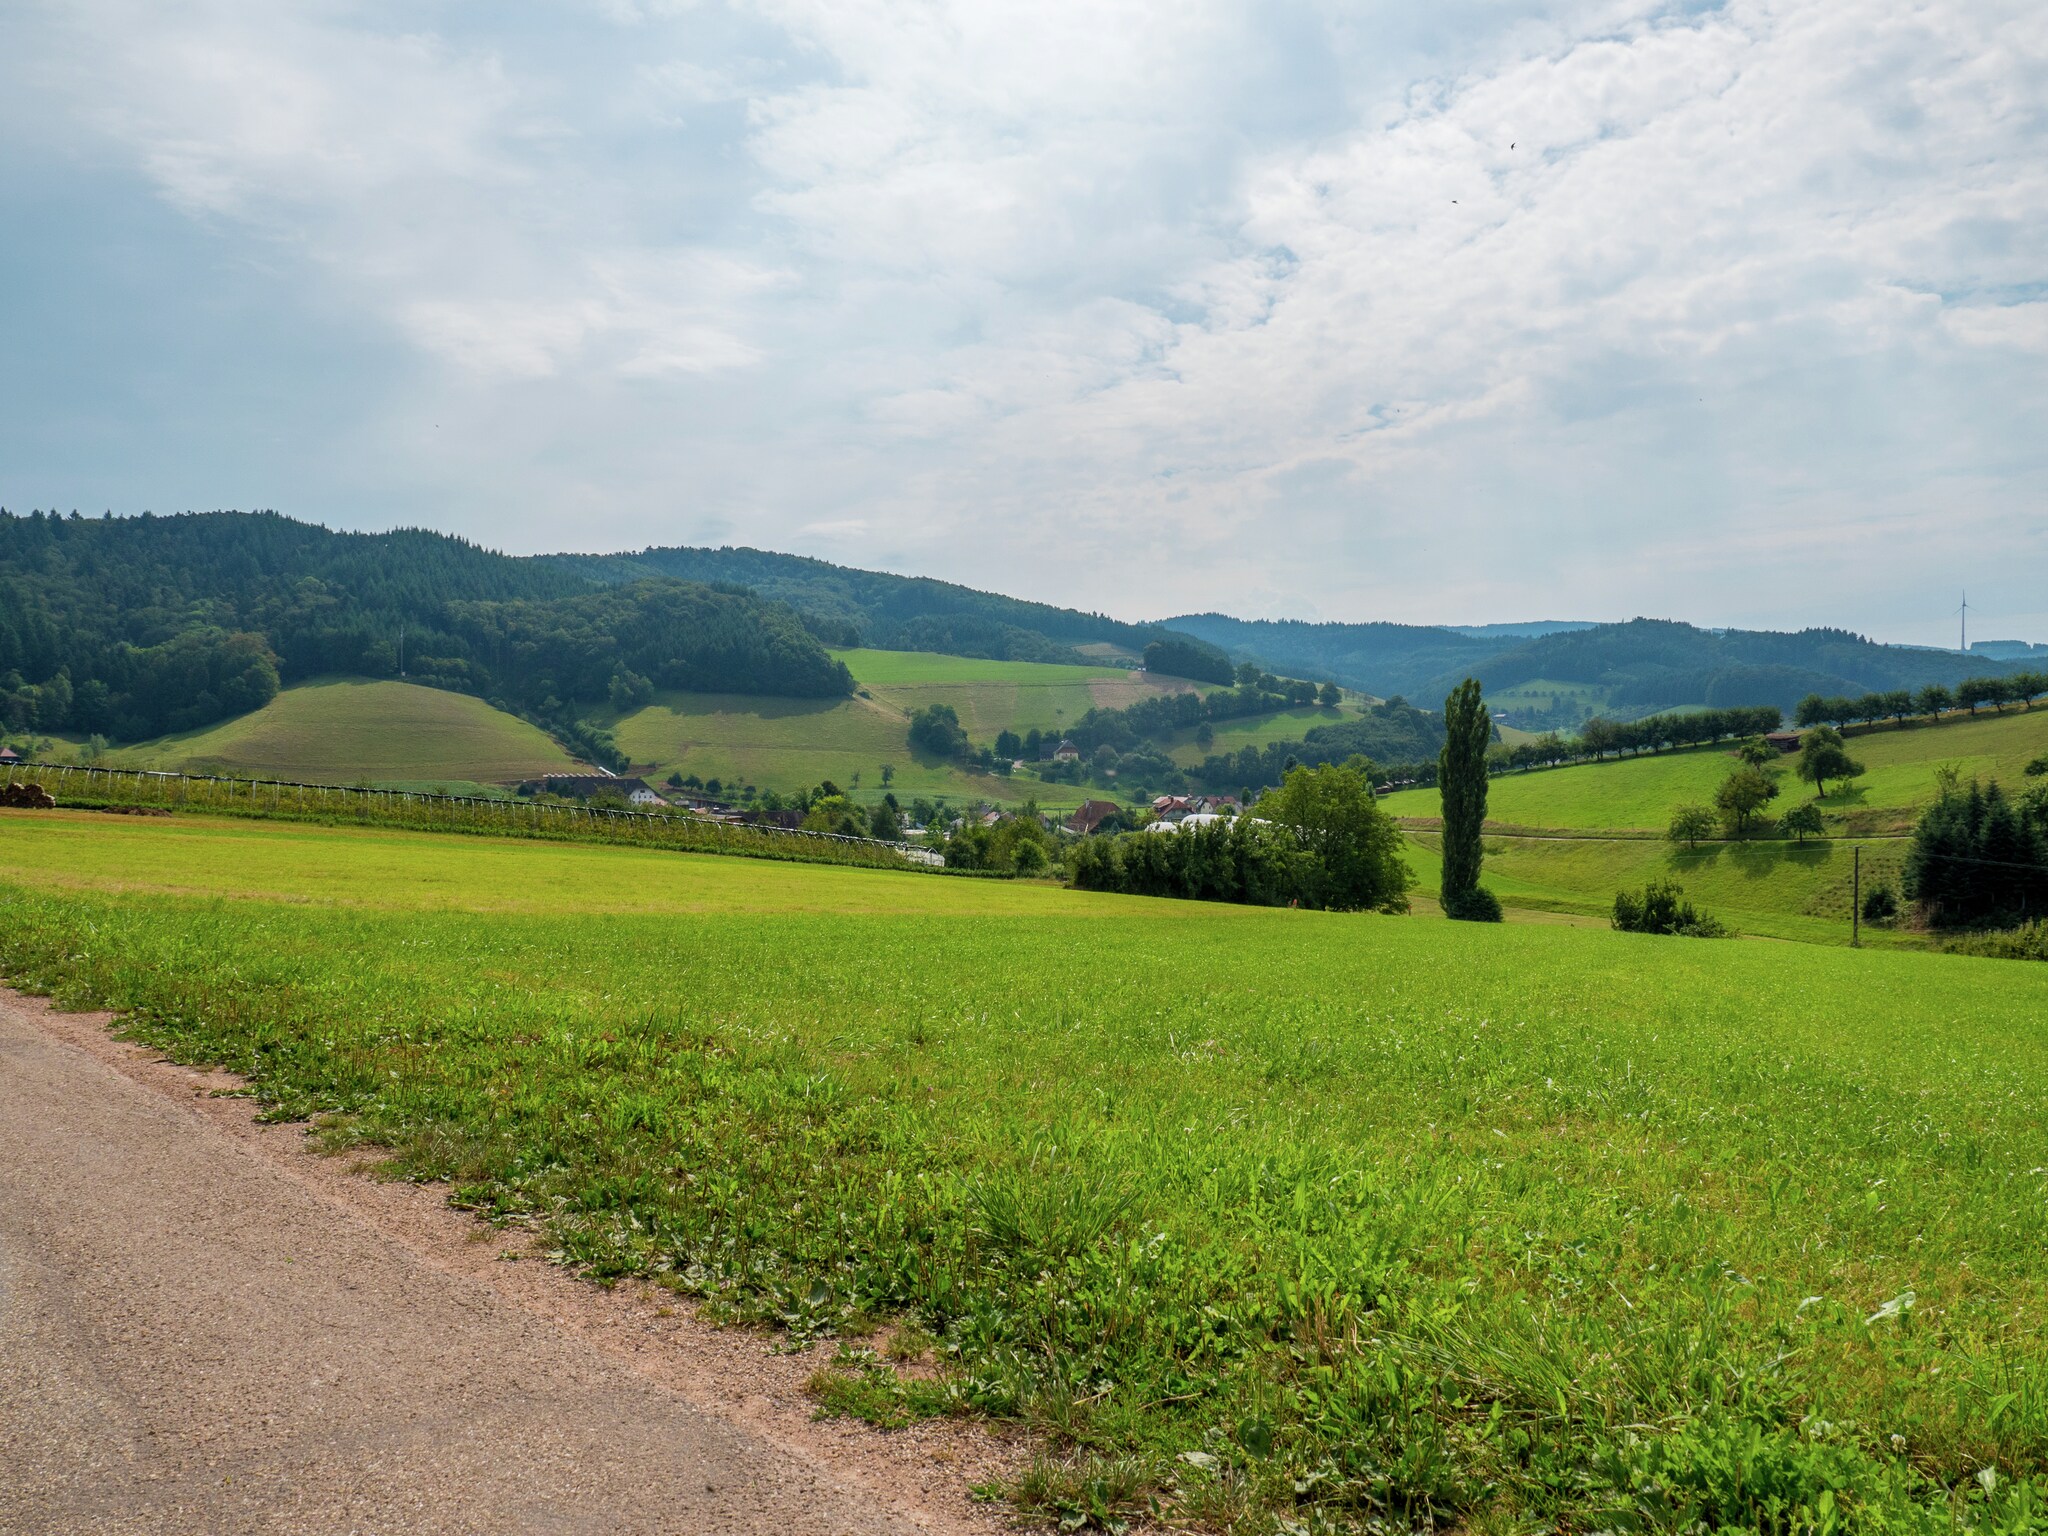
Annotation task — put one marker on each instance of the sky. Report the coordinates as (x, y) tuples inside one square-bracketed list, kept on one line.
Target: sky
[(1436, 311)]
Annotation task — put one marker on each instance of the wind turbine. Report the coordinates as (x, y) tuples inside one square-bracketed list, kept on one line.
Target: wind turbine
[(1963, 616)]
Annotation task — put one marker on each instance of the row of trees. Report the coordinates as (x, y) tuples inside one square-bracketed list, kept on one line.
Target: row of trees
[(1933, 701)]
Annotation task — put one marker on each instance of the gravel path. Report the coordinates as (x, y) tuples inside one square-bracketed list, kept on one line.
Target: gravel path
[(206, 1327)]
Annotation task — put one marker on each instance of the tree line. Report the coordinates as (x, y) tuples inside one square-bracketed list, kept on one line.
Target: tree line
[(1933, 701), (1320, 840)]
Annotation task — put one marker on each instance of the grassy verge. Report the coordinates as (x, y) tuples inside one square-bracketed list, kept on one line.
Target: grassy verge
[(1266, 1219)]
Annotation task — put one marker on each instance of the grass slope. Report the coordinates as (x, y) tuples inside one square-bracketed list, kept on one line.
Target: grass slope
[(1641, 792), (342, 732), (1780, 890), (1357, 1220)]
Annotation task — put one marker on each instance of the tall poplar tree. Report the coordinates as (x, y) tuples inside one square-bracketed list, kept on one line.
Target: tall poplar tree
[(1461, 777)]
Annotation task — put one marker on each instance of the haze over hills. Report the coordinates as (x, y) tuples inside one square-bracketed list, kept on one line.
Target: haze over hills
[(1577, 670)]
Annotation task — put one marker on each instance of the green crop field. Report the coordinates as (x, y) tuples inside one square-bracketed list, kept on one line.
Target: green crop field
[(346, 732), (787, 744), (1356, 1223), (1641, 792)]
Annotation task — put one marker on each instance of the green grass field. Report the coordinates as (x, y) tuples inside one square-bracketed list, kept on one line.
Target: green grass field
[(346, 732), (1256, 731), (1641, 792), (787, 744), (1356, 1222)]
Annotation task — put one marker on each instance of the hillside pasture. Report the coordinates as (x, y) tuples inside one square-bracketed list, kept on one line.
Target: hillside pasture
[(1257, 1214), (789, 744), (348, 731), (995, 696), (1641, 792)]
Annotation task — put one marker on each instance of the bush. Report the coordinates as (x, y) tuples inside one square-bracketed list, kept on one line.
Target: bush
[(1661, 907), (1881, 905), (1475, 905)]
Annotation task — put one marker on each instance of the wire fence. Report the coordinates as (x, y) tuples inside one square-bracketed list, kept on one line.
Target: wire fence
[(146, 790)]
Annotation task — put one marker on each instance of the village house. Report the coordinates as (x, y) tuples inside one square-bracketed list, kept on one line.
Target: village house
[(1066, 752), (8, 757), (589, 786)]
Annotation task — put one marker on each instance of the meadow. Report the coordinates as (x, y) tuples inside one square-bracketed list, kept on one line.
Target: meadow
[(344, 731), (1265, 1220), (1641, 792)]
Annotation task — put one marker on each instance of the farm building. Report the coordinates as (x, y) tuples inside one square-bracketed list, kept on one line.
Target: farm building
[(1091, 815), (1784, 741), (8, 757)]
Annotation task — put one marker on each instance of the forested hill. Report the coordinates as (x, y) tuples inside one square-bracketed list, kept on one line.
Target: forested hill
[(1654, 664), (137, 626), (849, 607)]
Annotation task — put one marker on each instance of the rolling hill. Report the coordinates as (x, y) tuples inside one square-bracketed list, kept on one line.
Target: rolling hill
[(790, 744), (357, 730)]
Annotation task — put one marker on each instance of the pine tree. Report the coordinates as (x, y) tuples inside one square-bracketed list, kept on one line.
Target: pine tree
[(1461, 777)]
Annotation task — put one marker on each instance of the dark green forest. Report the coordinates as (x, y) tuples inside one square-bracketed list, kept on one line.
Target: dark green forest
[(132, 627)]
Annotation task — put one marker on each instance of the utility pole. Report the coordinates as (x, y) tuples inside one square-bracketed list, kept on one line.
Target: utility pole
[(401, 650), (1856, 898)]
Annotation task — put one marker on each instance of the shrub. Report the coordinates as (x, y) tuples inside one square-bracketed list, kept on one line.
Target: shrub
[(1881, 905), (1661, 907), (2027, 943)]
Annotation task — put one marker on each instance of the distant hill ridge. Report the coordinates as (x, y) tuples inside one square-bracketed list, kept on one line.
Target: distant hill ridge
[(1637, 667)]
